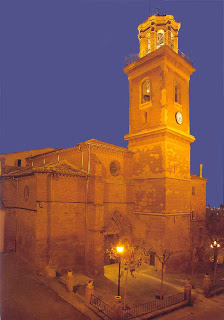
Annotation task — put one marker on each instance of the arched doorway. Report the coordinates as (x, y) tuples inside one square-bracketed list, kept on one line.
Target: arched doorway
[(118, 228)]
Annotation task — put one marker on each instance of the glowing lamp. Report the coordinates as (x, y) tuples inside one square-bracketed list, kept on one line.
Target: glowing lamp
[(120, 249)]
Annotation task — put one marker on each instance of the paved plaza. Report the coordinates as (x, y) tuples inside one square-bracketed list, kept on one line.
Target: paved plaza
[(25, 296)]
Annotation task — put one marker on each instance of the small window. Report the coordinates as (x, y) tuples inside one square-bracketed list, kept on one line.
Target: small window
[(177, 93), (145, 91), (19, 162), (149, 44), (145, 117), (193, 191), (160, 38), (115, 168), (26, 193), (172, 40)]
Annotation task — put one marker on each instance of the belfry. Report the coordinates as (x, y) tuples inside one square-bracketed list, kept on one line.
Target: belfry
[(159, 130), (63, 208)]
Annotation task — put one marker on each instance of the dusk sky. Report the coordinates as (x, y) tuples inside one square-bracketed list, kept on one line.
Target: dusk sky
[(62, 79)]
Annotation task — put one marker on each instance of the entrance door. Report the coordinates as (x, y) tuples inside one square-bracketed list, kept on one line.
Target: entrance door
[(152, 258), (110, 240)]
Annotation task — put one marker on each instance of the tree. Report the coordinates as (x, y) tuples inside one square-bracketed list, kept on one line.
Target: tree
[(162, 255), (131, 259)]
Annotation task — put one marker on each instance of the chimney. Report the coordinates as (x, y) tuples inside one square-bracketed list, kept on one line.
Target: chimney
[(201, 166)]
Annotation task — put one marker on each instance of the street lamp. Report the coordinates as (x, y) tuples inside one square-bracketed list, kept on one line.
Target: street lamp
[(215, 245), (120, 250)]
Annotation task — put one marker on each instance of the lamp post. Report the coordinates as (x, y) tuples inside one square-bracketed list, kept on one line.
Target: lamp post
[(120, 249), (215, 245)]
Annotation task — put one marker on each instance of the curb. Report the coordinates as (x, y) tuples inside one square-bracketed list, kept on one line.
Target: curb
[(74, 299)]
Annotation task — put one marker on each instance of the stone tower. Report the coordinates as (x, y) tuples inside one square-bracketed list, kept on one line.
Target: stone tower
[(159, 131)]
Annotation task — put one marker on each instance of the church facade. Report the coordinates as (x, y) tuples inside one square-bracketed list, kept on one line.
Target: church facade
[(64, 207)]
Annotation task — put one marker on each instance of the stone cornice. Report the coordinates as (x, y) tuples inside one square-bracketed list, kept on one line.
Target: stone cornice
[(162, 130), (166, 55), (160, 214)]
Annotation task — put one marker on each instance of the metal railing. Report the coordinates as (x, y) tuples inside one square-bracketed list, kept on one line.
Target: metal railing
[(139, 310), (101, 306), (136, 57), (151, 306)]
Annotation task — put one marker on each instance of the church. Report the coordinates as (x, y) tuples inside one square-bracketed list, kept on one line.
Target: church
[(64, 207)]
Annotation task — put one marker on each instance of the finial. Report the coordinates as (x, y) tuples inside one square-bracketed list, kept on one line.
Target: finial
[(157, 14)]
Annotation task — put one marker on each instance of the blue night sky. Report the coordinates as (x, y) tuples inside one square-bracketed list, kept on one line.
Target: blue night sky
[(62, 79)]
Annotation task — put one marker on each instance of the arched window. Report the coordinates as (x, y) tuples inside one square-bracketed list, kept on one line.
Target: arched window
[(160, 38), (177, 93), (145, 91), (149, 44), (172, 40)]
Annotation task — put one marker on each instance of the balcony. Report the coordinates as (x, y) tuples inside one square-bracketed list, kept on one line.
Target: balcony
[(136, 57)]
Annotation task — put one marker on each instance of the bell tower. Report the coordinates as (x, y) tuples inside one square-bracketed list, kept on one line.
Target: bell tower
[(159, 126)]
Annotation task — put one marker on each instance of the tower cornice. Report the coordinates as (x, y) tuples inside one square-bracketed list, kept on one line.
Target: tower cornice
[(164, 54), (160, 130)]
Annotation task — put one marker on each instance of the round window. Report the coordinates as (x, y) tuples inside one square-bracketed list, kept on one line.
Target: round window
[(115, 168), (26, 193)]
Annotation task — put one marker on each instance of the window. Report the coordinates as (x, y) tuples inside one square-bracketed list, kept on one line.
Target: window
[(19, 162), (177, 93), (149, 44), (193, 216), (193, 191), (160, 38), (115, 168), (26, 193), (145, 91), (145, 117), (172, 40)]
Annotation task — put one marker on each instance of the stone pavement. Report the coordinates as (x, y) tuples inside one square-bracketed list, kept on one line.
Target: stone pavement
[(26, 297), (141, 288), (203, 309), (197, 278), (23, 297)]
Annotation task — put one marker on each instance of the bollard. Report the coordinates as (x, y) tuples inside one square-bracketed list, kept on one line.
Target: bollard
[(117, 313), (207, 284), (70, 281), (187, 291), (89, 291), (50, 272)]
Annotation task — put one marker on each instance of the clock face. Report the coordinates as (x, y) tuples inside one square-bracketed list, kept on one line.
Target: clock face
[(179, 117)]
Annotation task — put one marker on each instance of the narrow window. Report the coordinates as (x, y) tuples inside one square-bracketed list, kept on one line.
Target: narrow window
[(19, 162), (160, 38), (177, 93), (172, 40), (145, 117), (193, 191), (146, 91), (149, 44)]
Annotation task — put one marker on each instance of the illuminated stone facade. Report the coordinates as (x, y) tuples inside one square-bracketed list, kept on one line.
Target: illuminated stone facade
[(63, 207)]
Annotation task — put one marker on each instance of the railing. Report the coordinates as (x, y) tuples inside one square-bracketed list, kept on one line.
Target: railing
[(136, 57), (151, 306), (139, 310), (101, 306)]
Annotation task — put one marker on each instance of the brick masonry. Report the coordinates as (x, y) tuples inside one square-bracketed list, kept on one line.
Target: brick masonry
[(63, 207)]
